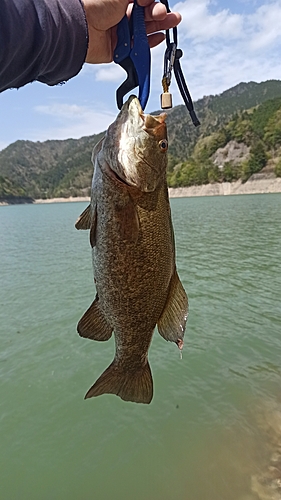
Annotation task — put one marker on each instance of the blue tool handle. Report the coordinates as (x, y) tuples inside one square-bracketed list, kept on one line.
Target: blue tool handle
[(138, 22), (140, 53), (123, 47)]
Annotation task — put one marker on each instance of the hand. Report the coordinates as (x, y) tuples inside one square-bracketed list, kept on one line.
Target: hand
[(104, 15)]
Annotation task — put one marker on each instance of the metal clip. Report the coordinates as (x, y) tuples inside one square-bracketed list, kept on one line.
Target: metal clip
[(169, 59)]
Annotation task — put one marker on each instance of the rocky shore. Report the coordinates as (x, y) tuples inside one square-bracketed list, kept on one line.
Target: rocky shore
[(267, 483), (63, 200), (257, 184)]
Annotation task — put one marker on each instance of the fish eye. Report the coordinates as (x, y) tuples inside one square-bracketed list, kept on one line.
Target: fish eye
[(163, 145)]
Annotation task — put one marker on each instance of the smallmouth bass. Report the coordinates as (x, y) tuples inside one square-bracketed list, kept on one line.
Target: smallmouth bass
[(133, 249)]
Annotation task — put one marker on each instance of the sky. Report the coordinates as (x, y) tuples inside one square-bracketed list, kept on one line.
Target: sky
[(224, 42)]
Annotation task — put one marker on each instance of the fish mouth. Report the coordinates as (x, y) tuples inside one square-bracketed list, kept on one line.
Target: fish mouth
[(149, 122), (129, 124), (133, 106)]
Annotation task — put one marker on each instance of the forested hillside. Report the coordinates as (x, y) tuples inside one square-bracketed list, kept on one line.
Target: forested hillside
[(49, 169), (243, 146), (240, 134)]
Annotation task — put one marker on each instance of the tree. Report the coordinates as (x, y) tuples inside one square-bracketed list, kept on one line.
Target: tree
[(258, 158), (277, 169), (273, 130)]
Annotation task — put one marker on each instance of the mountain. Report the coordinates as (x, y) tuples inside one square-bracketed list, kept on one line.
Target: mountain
[(51, 168), (213, 112), (63, 168), (246, 144)]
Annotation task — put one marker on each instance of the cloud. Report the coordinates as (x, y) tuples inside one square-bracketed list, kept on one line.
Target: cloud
[(199, 23), (222, 49), (264, 26), (110, 73), (62, 111), (223, 44), (73, 120)]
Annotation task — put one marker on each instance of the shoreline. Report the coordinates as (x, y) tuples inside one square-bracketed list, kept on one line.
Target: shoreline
[(71, 199), (257, 184)]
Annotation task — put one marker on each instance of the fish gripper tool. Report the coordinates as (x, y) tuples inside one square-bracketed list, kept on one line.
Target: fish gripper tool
[(132, 53)]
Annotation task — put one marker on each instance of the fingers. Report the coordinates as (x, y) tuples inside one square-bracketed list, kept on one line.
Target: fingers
[(146, 3), (155, 12), (171, 20), (155, 39)]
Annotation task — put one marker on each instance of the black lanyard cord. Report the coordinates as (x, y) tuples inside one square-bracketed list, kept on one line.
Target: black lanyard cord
[(183, 88), (172, 62)]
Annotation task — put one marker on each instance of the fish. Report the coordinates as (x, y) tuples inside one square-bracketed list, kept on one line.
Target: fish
[(133, 252)]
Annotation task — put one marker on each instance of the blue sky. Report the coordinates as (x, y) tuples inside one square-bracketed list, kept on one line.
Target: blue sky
[(224, 42)]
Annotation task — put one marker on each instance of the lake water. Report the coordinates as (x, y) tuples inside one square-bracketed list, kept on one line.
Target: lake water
[(203, 436)]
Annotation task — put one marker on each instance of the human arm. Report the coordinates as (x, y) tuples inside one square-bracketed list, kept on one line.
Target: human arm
[(44, 40), (49, 40)]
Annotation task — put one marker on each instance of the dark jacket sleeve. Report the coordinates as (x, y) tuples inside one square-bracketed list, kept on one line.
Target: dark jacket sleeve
[(44, 40)]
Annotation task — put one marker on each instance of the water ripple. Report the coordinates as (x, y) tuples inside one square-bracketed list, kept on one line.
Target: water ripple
[(201, 426)]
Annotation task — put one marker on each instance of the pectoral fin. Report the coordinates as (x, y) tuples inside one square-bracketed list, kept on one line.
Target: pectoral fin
[(93, 324), (88, 220), (171, 324), (84, 220)]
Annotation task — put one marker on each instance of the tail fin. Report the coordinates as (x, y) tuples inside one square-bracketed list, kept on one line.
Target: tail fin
[(130, 386)]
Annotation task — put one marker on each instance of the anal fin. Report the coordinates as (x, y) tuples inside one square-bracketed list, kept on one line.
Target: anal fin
[(130, 386), (172, 322), (93, 324)]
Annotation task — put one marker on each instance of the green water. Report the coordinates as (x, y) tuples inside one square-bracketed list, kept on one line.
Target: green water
[(201, 438)]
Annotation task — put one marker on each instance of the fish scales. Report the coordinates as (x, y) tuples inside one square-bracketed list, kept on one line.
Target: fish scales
[(134, 274), (133, 252)]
